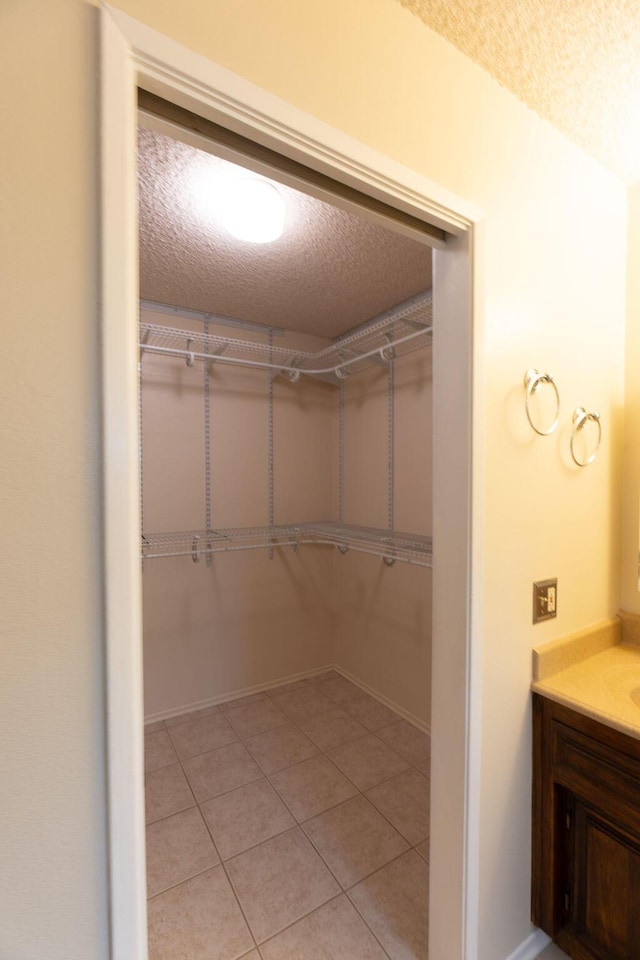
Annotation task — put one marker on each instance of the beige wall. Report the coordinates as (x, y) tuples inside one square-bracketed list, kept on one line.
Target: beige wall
[(382, 615), (631, 497), (53, 889), (552, 280), (246, 620)]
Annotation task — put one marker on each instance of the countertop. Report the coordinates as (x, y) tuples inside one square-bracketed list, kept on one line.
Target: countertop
[(594, 673)]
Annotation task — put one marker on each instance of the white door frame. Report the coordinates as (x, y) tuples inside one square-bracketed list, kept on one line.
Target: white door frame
[(134, 55)]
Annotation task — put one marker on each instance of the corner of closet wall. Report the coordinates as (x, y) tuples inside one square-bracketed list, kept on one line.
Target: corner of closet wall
[(249, 619), (246, 619), (381, 613), (286, 437)]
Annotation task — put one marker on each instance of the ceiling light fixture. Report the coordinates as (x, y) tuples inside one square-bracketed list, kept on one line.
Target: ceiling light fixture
[(252, 209)]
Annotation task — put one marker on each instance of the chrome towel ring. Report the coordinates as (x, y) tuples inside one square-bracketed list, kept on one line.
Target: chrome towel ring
[(533, 380), (580, 419)]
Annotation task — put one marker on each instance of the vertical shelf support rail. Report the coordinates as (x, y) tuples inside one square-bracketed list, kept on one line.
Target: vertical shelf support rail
[(140, 440), (341, 452), (391, 444), (390, 447), (270, 454), (207, 449), (384, 543)]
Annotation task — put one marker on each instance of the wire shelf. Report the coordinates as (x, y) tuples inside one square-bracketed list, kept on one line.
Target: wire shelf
[(212, 345), (197, 543), (388, 545), (401, 330), (382, 542)]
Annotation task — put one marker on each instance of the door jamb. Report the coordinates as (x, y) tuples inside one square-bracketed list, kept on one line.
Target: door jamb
[(133, 55)]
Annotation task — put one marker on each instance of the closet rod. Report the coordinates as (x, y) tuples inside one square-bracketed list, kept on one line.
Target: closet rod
[(382, 543), (383, 352), (204, 551)]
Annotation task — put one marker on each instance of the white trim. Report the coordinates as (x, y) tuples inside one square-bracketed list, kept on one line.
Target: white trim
[(289, 178), (474, 613), (452, 841), (168, 69), (121, 508), (406, 714), (292, 678), (236, 694), (532, 947), (134, 54)]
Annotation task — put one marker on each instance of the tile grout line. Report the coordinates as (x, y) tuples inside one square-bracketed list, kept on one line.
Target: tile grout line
[(260, 842), (300, 919), (174, 886), (266, 693), (229, 880), (298, 826), (315, 910), (271, 693), (394, 828), (264, 776), (412, 846), (371, 733), (366, 923), (296, 723), (300, 823), (267, 776), (217, 708), (227, 792), (344, 891), (342, 704), (384, 816), (194, 804), (331, 807), (152, 823)]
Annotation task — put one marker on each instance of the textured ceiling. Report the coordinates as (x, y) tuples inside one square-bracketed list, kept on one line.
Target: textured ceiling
[(574, 62), (328, 272)]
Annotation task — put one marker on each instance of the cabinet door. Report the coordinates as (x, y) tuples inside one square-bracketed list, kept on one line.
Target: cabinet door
[(605, 910)]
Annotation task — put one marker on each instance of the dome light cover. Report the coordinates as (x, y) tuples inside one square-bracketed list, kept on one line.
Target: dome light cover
[(252, 209)]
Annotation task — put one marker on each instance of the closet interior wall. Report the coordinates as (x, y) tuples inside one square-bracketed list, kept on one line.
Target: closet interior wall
[(382, 614), (246, 620)]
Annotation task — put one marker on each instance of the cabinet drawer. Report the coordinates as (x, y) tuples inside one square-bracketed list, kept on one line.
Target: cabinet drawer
[(598, 771), (586, 834)]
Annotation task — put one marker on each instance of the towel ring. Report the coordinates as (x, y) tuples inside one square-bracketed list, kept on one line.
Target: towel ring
[(533, 379), (580, 420)]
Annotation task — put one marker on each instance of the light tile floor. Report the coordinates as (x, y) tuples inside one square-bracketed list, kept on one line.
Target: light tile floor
[(289, 825)]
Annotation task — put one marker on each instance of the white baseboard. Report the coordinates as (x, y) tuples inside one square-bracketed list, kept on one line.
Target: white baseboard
[(420, 724), (233, 695), (261, 687), (532, 947)]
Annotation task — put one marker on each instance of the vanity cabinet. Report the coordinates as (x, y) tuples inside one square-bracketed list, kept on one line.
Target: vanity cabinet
[(586, 834)]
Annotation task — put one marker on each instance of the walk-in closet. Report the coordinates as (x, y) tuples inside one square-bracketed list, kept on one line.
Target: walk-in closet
[(286, 472)]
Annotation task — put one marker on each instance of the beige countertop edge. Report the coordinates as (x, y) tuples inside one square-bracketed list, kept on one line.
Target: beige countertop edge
[(587, 710), (558, 655), (602, 687), (594, 672)]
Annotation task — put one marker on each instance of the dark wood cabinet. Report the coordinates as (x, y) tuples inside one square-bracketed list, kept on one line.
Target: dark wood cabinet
[(586, 834)]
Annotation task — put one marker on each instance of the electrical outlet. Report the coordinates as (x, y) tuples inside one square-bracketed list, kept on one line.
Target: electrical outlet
[(545, 600)]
